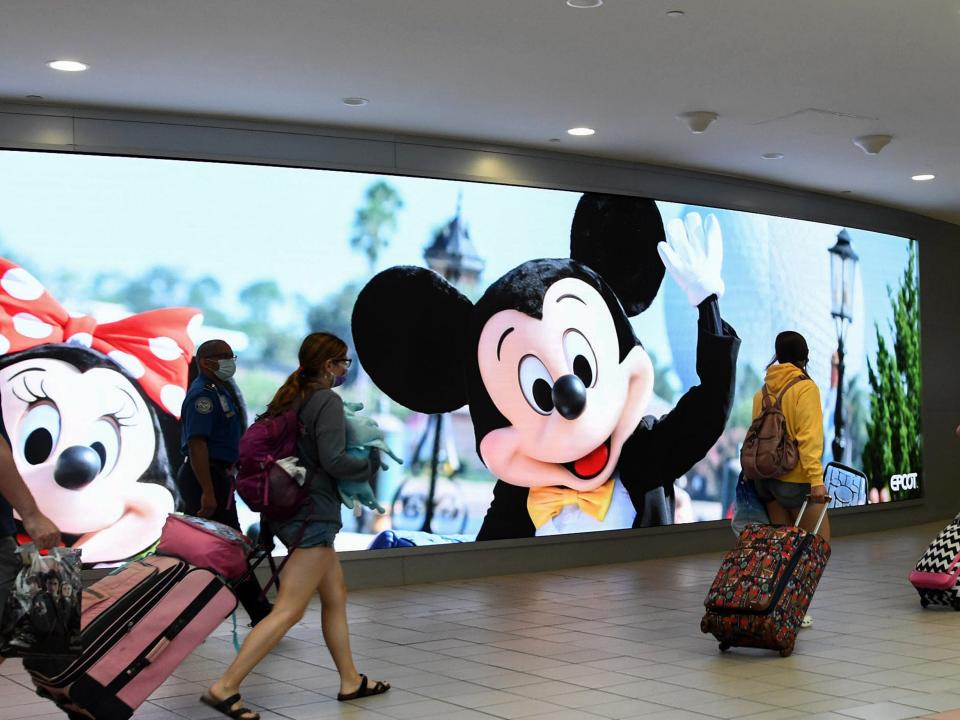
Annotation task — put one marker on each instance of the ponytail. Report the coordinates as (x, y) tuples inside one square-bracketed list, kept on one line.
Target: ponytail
[(290, 393), (315, 350)]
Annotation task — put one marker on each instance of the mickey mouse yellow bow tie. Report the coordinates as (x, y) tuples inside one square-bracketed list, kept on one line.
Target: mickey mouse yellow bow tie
[(545, 503)]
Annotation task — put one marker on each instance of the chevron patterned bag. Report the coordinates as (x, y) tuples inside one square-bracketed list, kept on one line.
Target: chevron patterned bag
[(938, 571)]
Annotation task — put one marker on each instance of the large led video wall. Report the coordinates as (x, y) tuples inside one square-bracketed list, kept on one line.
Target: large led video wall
[(543, 362)]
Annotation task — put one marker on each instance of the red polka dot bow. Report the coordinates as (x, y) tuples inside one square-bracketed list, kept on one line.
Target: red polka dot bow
[(153, 347)]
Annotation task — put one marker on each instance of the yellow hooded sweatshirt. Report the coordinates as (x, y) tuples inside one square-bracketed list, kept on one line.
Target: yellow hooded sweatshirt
[(802, 409)]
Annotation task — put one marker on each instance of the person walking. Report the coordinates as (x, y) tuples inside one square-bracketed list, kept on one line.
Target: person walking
[(800, 403), (313, 566)]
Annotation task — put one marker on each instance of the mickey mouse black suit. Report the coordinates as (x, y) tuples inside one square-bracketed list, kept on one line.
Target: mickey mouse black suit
[(556, 381)]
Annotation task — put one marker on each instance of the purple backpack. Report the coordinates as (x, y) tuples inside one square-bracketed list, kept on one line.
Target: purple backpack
[(266, 487)]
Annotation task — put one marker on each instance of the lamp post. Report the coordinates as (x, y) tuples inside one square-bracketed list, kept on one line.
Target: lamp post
[(843, 277), (452, 255)]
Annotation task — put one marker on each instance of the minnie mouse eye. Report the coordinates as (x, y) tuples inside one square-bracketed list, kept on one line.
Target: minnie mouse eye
[(536, 384), (580, 356), (40, 431), (105, 442)]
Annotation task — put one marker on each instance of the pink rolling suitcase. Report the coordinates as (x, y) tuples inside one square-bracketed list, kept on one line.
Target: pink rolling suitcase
[(138, 625)]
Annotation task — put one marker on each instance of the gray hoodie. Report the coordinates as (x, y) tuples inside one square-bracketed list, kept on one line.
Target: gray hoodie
[(322, 450)]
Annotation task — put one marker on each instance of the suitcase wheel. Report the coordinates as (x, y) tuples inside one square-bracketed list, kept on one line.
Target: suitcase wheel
[(724, 647), (924, 602), (956, 606), (785, 652)]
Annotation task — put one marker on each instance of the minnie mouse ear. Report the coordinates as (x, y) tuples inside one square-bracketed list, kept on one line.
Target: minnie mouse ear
[(408, 329), (616, 236)]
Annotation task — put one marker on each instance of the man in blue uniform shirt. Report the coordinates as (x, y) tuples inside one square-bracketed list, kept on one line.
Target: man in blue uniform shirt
[(211, 426)]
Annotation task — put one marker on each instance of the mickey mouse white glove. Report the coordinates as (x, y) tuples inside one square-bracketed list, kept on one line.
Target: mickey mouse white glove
[(693, 254)]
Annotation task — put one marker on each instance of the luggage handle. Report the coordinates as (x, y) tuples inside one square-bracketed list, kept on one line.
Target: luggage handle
[(953, 570), (823, 513)]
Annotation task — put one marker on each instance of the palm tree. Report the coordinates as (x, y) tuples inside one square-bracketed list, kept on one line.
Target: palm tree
[(375, 221), (260, 297), (204, 294)]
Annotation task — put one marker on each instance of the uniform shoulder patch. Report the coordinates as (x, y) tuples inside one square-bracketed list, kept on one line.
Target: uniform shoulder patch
[(203, 405)]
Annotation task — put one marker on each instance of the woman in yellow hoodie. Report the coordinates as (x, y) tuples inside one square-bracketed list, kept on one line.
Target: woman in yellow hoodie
[(801, 407)]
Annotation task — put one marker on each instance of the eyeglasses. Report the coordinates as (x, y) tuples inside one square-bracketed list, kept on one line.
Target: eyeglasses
[(221, 356), (346, 362)]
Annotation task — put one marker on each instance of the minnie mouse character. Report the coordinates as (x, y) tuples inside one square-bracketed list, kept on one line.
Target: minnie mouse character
[(556, 381), (92, 414)]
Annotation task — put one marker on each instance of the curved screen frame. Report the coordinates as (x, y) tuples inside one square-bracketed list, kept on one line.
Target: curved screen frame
[(151, 135)]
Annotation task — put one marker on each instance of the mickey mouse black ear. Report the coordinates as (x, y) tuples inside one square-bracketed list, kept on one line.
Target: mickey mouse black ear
[(616, 236), (408, 329)]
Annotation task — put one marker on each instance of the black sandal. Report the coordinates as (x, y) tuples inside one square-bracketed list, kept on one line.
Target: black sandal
[(224, 707), (364, 691)]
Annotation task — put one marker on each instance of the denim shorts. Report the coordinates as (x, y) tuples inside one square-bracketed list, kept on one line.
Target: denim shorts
[(790, 495), (317, 533)]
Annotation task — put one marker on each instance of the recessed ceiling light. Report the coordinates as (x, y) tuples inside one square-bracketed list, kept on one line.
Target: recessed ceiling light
[(355, 101), (581, 131), (68, 65), (675, 13), (583, 4), (772, 156), (923, 178)]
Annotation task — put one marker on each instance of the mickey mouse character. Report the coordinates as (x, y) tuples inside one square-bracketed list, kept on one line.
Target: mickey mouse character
[(92, 414), (556, 381)]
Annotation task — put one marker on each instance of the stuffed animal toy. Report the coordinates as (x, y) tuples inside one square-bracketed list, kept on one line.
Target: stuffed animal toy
[(363, 433)]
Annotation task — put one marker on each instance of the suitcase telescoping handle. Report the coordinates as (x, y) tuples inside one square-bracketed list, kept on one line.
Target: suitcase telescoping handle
[(823, 513)]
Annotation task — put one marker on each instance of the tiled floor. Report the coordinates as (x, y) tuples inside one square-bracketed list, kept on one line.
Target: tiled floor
[(617, 642)]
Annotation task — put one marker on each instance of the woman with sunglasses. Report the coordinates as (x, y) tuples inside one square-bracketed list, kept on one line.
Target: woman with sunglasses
[(313, 565)]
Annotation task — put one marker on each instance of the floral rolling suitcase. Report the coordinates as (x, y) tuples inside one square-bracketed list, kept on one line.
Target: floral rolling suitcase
[(765, 585), (938, 570)]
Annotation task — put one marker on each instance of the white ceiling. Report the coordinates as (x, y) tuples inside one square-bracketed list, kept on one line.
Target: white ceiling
[(800, 77)]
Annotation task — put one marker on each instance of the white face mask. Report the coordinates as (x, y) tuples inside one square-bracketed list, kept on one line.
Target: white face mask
[(225, 369)]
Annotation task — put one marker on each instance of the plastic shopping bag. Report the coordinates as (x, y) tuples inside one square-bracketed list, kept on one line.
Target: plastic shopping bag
[(747, 508), (42, 614)]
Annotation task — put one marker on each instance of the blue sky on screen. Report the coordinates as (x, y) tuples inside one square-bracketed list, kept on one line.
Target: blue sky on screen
[(242, 223)]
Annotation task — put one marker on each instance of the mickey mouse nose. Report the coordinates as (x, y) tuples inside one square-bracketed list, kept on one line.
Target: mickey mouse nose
[(570, 396), (76, 467)]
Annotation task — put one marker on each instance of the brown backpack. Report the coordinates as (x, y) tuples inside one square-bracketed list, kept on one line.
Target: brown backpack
[(768, 451)]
